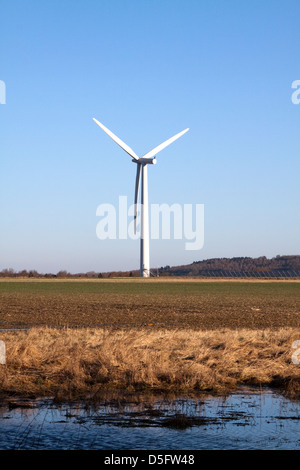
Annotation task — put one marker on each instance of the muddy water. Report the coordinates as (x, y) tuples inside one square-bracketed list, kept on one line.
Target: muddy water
[(245, 420)]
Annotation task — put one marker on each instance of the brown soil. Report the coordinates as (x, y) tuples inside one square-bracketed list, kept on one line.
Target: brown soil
[(241, 305)]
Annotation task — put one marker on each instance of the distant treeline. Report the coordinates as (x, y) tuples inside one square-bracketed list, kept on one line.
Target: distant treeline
[(32, 273), (280, 266)]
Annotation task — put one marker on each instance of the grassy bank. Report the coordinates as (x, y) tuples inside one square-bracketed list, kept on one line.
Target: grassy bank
[(81, 364)]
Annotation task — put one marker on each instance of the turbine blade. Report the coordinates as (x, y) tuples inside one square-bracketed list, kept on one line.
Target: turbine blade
[(117, 140), (160, 147), (136, 194)]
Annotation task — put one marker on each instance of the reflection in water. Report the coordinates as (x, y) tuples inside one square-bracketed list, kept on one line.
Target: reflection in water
[(247, 420)]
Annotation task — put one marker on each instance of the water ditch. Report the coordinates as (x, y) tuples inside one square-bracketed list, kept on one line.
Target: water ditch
[(248, 419)]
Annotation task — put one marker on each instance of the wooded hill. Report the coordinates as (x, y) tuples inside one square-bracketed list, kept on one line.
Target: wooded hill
[(241, 266), (280, 266)]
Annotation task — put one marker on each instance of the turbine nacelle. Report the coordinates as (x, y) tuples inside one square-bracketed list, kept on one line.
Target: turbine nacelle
[(145, 161)]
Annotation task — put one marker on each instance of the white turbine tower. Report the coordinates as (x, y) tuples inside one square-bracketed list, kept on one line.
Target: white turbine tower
[(142, 162)]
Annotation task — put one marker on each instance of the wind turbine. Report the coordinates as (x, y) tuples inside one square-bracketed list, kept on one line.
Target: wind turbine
[(142, 162)]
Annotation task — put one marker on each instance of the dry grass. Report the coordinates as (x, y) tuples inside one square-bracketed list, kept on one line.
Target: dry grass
[(70, 364)]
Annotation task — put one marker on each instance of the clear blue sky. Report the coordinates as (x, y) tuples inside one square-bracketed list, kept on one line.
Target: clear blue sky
[(147, 70)]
